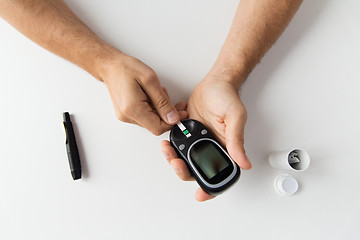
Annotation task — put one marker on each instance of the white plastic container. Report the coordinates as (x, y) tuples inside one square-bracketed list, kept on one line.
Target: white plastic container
[(295, 159)]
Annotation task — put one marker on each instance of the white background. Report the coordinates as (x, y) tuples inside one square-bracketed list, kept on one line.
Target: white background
[(304, 93)]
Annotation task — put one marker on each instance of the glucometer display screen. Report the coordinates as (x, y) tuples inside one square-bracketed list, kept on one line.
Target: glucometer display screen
[(209, 157)]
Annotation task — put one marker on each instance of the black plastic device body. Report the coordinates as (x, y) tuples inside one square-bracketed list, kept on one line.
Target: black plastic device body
[(207, 160), (71, 148)]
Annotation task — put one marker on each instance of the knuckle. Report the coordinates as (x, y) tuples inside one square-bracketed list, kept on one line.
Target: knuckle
[(162, 102), (127, 110), (121, 117), (182, 177), (241, 141), (242, 114), (186, 177), (149, 77), (245, 113), (156, 132)]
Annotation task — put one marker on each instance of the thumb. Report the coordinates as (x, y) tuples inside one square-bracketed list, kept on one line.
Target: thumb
[(161, 101), (235, 125)]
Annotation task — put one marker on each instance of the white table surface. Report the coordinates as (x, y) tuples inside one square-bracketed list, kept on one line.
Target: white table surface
[(304, 93)]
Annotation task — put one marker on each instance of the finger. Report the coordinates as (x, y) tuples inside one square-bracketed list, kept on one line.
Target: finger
[(183, 115), (216, 126), (181, 170), (159, 99), (176, 163), (168, 151), (166, 92), (119, 115), (147, 118), (164, 143), (235, 125), (202, 196), (134, 106), (179, 166), (181, 106)]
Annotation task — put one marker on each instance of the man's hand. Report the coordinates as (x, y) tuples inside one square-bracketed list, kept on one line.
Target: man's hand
[(216, 103), (137, 95), (134, 87)]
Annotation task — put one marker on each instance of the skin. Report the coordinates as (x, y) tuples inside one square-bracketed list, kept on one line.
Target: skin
[(135, 89), (215, 100)]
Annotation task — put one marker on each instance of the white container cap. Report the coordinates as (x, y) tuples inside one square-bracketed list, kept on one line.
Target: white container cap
[(286, 185)]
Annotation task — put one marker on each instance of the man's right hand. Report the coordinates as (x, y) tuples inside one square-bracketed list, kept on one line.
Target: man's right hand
[(134, 87), (138, 97)]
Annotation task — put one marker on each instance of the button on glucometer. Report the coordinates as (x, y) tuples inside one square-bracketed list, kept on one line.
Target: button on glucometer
[(204, 131), (181, 147)]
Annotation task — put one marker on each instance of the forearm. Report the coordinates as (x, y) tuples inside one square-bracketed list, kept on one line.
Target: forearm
[(52, 25), (256, 26)]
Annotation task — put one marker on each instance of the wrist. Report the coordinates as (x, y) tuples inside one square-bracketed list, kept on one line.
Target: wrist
[(235, 63), (226, 71), (104, 59)]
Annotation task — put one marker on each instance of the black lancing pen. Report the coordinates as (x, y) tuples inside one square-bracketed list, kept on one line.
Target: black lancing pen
[(71, 148)]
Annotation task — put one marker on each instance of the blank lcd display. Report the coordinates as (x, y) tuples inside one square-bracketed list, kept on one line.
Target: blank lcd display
[(209, 157)]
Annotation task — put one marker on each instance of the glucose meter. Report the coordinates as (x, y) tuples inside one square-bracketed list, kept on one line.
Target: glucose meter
[(208, 161)]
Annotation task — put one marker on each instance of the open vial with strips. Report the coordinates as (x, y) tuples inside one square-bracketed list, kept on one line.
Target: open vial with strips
[(295, 159)]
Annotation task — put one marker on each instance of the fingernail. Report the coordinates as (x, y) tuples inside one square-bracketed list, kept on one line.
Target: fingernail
[(172, 117), (176, 169), (166, 155)]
